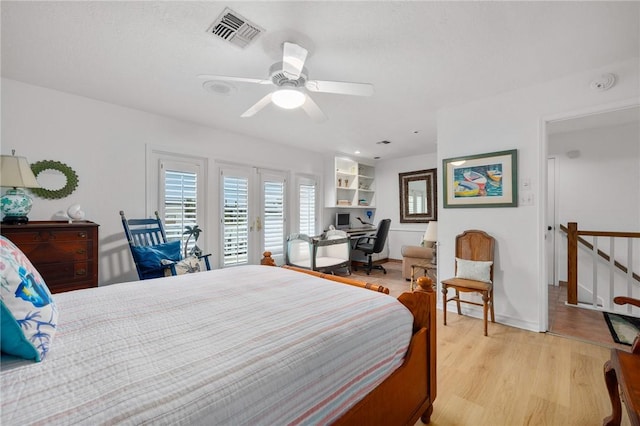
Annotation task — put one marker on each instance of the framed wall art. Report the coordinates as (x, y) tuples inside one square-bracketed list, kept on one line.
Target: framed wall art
[(484, 180), (418, 196)]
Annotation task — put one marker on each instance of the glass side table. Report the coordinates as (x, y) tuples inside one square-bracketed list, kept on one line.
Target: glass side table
[(430, 270)]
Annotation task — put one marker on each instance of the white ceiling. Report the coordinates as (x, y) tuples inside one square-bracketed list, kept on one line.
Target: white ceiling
[(420, 56)]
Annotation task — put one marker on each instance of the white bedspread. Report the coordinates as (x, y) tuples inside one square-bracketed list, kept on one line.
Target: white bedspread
[(245, 345)]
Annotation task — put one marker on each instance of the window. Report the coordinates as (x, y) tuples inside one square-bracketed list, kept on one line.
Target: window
[(273, 194), (307, 207), (180, 204), (235, 222)]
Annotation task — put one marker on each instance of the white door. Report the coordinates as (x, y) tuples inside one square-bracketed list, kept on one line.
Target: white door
[(551, 229), (270, 224), (253, 206)]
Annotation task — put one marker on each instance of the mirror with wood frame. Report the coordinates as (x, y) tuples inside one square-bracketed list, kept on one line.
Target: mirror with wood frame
[(418, 196)]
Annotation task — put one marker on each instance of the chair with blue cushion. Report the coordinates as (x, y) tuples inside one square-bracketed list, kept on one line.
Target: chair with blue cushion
[(152, 254)]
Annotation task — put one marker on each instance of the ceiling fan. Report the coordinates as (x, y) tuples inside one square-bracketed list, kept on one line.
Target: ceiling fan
[(291, 80)]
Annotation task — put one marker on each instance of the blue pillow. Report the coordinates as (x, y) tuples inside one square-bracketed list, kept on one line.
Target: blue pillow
[(28, 314), (149, 258)]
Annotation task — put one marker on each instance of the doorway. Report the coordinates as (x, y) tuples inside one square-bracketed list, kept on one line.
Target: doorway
[(576, 191), (252, 214)]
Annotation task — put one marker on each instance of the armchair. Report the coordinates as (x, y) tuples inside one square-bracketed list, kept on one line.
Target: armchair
[(415, 254)]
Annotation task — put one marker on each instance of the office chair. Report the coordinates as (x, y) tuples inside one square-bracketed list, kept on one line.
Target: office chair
[(371, 244)]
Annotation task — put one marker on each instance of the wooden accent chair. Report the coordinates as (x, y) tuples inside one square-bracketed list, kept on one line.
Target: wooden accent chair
[(474, 272), (622, 375)]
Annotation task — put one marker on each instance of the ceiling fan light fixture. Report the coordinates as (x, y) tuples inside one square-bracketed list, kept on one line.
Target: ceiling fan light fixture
[(288, 98)]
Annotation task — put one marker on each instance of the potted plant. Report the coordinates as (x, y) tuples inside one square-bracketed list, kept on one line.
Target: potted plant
[(192, 231)]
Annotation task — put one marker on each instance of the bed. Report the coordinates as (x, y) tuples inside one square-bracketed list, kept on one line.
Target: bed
[(245, 345)]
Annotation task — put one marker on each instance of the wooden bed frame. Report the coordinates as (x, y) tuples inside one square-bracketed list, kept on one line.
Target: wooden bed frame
[(408, 394)]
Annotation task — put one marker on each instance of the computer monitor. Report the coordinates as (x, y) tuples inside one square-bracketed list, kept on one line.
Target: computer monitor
[(343, 220)]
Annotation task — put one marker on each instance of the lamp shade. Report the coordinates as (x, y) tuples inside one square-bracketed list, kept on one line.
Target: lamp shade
[(16, 172), (431, 234)]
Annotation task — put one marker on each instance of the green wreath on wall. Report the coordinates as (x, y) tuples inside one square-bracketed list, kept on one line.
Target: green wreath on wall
[(68, 172)]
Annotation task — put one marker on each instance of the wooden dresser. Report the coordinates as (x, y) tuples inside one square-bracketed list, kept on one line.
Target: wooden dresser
[(65, 254)]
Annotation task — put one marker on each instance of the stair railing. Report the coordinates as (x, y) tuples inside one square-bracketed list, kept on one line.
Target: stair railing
[(574, 236)]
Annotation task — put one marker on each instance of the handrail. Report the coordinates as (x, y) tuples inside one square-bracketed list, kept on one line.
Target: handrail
[(602, 254), (573, 236)]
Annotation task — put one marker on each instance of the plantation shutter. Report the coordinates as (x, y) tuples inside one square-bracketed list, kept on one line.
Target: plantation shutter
[(180, 199), (307, 212), (235, 220), (274, 217)]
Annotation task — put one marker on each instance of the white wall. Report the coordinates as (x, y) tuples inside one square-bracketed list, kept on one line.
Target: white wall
[(106, 145), (388, 199), (507, 121)]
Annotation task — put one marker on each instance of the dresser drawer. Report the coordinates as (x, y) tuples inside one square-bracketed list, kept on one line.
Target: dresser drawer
[(66, 272), (49, 236), (54, 251)]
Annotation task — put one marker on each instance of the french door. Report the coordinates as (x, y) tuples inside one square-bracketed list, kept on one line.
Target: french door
[(253, 206)]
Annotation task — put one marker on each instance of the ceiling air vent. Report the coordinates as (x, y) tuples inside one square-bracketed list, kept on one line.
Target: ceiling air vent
[(234, 28)]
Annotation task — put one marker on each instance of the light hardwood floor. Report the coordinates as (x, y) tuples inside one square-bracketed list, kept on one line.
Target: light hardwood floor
[(513, 376)]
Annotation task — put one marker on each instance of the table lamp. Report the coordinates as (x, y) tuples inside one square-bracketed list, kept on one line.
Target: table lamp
[(431, 234), (15, 203)]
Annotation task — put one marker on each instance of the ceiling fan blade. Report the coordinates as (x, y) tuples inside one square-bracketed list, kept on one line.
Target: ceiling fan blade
[(257, 106), (293, 60), (313, 110), (340, 87), (236, 79)]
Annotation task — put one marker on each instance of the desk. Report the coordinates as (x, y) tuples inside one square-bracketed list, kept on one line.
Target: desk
[(360, 232)]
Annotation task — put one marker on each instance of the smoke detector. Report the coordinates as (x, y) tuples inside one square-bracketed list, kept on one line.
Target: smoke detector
[(604, 82), (219, 87)]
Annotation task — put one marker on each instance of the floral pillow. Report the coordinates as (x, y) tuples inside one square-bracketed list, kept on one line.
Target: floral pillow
[(28, 314), (188, 265)]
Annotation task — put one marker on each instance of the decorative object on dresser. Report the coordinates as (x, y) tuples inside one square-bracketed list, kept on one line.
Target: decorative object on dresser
[(75, 212), (65, 254), (16, 173)]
